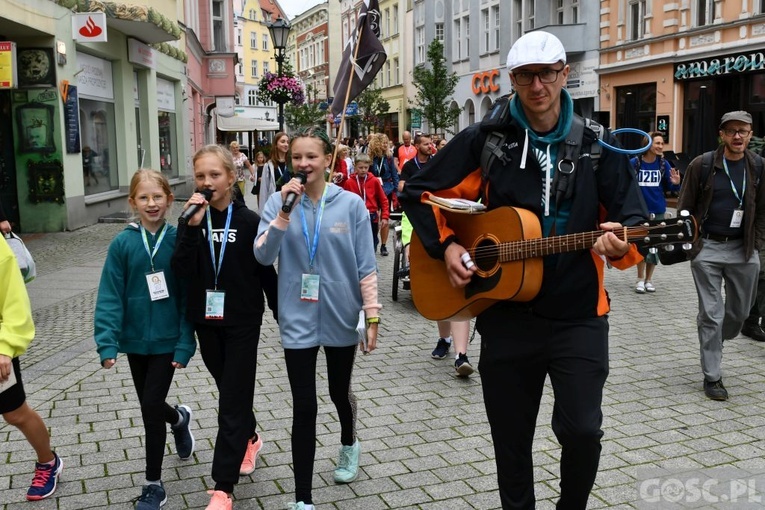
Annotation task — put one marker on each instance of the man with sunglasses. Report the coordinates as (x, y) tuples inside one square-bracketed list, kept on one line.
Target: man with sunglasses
[(728, 201), (563, 331)]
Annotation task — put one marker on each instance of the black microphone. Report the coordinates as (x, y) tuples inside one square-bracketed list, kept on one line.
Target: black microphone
[(289, 202), (194, 208)]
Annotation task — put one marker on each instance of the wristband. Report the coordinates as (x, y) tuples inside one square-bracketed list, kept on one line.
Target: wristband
[(373, 320)]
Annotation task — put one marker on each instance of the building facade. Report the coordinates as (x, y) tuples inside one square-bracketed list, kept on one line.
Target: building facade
[(89, 98), (678, 67)]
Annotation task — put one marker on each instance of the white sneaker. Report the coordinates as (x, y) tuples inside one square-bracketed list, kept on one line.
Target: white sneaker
[(640, 287), (649, 287)]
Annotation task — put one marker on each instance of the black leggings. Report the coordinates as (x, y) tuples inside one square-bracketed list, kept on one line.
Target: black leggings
[(301, 370), (152, 375), (230, 353)]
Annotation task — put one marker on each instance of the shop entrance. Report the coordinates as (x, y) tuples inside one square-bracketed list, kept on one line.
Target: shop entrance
[(8, 192)]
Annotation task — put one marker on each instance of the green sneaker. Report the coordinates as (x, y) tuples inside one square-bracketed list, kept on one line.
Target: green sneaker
[(348, 465)]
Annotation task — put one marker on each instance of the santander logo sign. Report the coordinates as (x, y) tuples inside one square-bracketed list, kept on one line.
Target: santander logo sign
[(90, 29), (89, 26)]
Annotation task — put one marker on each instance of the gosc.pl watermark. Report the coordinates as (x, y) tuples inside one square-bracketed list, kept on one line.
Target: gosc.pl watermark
[(732, 488)]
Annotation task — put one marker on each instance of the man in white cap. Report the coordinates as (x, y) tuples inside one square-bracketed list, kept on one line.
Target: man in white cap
[(563, 331), (723, 189)]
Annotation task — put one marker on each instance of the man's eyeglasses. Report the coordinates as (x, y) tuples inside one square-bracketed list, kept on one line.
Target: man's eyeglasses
[(545, 76), (743, 133)]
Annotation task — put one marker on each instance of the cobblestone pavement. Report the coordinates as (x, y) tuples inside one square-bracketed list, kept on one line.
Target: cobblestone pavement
[(424, 432)]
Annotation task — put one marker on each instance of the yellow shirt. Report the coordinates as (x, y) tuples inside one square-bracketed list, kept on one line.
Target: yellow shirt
[(16, 327)]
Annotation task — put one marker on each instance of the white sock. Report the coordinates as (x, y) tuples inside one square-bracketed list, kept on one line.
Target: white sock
[(154, 482), (180, 418), (448, 339)]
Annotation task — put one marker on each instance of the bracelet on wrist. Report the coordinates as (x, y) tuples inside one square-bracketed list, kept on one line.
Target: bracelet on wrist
[(373, 320)]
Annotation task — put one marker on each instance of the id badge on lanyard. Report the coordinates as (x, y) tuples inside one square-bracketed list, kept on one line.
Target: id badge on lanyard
[(215, 298), (309, 285), (155, 280)]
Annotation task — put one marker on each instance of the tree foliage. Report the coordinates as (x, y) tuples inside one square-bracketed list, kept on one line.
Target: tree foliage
[(435, 89), (305, 115), (372, 108)]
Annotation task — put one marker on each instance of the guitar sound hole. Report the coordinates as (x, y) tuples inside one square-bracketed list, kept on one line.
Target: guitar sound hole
[(488, 254)]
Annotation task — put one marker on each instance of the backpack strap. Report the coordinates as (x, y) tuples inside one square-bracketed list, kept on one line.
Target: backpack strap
[(568, 156), (595, 148)]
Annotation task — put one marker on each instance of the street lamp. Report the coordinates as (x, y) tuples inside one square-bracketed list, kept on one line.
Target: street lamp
[(280, 30)]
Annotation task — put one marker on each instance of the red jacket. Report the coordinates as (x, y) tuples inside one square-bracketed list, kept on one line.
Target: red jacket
[(371, 191)]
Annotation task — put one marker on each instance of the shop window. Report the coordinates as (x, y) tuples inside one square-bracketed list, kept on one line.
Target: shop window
[(757, 89), (99, 146), (636, 108), (168, 146)]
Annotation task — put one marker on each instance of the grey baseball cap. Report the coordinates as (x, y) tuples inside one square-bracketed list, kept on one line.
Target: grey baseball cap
[(738, 115)]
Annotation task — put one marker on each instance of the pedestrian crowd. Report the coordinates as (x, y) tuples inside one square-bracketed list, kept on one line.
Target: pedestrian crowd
[(321, 215)]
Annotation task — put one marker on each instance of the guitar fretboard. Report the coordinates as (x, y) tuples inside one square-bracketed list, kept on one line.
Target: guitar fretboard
[(518, 250)]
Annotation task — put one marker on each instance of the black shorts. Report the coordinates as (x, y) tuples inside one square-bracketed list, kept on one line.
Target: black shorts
[(14, 397)]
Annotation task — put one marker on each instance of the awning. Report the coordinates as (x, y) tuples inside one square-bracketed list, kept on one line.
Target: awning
[(237, 123)]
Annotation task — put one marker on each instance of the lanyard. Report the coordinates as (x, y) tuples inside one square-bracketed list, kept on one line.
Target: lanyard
[(417, 162), (362, 189), (217, 263), (379, 167), (733, 186), (156, 246), (319, 214)]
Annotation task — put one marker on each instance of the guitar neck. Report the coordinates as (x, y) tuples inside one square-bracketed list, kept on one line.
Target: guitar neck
[(528, 248)]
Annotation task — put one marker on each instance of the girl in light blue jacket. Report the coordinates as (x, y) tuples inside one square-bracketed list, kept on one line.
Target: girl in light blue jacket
[(327, 274)]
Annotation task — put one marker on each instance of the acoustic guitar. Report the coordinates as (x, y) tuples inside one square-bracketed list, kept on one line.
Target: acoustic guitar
[(507, 247)]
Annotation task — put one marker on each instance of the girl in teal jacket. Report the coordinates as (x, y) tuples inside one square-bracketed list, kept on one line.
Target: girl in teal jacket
[(140, 312)]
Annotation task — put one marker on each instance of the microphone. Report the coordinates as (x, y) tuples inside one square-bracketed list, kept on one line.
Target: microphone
[(289, 202), (194, 208)]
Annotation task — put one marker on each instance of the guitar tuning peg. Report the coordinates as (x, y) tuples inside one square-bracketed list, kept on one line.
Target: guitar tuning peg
[(684, 213), (653, 250), (687, 246), (669, 247), (668, 215), (652, 216)]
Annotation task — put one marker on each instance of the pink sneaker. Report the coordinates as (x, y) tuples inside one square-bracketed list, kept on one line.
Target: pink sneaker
[(220, 501), (250, 456)]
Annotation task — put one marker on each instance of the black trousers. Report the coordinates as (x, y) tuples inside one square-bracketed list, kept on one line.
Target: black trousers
[(301, 370), (230, 354), (152, 376), (515, 358)]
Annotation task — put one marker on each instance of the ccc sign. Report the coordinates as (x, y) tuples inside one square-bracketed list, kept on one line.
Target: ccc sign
[(485, 82)]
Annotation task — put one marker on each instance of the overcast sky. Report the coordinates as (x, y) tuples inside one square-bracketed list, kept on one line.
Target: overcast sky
[(295, 7)]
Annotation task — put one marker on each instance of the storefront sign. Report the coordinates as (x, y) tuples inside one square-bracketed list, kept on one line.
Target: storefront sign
[(662, 126), (718, 66), (71, 121), (8, 73), (95, 77), (141, 54), (165, 95), (582, 79), (416, 119), (89, 26), (485, 82)]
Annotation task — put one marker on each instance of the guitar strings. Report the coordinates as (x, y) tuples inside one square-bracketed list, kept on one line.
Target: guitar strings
[(487, 252)]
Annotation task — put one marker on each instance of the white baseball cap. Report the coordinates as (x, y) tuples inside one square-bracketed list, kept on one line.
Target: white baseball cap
[(536, 48)]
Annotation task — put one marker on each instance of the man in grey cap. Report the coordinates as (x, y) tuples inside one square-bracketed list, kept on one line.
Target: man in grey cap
[(723, 190), (563, 331)]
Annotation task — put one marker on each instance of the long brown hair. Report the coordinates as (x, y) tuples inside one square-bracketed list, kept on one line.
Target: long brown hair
[(273, 155)]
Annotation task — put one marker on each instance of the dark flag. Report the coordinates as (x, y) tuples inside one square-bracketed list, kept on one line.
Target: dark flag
[(369, 60)]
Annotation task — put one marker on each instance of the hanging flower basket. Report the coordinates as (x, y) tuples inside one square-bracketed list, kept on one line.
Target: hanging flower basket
[(281, 89)]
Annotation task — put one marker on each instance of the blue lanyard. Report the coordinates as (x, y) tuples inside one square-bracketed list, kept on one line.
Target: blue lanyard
[(219, 262), (319, 214), (733, 186), (417, 162), (156, 246)]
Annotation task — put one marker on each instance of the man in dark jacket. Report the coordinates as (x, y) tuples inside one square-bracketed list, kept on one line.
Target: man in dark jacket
[(563, 331), (729, 206)]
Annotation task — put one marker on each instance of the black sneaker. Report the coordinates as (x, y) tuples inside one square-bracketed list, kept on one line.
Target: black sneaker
[(753, 331), (715, 390), (383, 251), (184, 439), (462, 366), (441, 350), (153, 497)]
